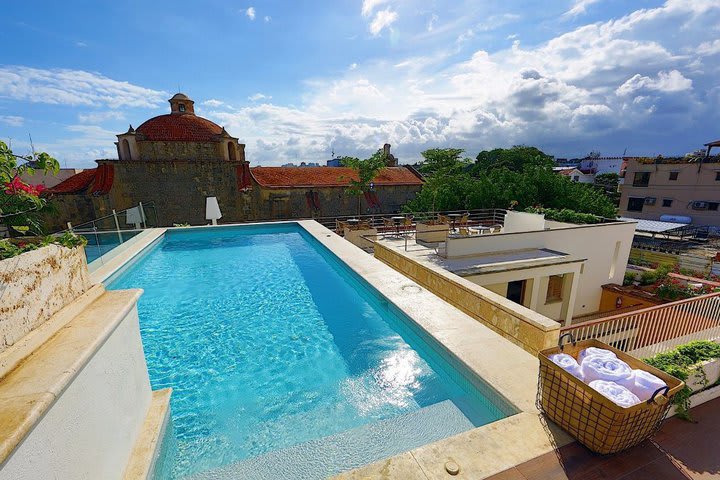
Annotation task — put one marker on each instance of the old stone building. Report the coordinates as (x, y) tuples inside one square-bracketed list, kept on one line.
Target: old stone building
[(175, 161)]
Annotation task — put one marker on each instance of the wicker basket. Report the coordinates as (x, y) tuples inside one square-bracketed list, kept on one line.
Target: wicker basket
[(593, 419)]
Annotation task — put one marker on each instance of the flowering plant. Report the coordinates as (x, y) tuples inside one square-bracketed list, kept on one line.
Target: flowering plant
[(20, 202)]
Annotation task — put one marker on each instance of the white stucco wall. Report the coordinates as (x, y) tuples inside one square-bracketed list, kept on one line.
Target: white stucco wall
[(90, 430), (523, 222), (596, 243)]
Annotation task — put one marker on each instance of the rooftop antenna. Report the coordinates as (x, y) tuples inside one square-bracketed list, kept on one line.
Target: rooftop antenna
[(624, 152)]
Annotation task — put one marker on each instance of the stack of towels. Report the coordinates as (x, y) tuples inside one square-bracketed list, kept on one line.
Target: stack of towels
[(613, 378)]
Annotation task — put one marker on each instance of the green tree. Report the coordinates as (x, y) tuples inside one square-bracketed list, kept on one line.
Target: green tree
[(515, 158), (608, 183), (520, 176), (444, 161), (366, 170), (20, 202)]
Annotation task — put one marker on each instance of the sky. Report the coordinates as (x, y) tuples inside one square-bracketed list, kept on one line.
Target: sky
[(298, 81)]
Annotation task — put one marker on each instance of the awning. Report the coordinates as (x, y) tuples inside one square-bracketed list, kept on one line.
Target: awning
[(653, 226)]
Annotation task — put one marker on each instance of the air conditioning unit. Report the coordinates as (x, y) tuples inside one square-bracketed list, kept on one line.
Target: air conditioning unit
[(699, 205), (650, 200)]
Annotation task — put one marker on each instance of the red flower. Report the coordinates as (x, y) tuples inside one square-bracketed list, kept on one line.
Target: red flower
[(18, 186)]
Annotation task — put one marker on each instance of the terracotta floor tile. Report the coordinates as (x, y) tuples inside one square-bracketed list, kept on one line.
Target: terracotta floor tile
[(509, 474), (660, 469)]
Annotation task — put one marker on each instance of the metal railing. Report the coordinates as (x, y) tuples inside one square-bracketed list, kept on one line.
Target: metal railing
[(106, 233), (494, 216), (657, 329)]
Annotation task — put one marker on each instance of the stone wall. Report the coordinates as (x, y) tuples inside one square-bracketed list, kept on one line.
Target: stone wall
[(35, 285), (525, 328), (178, 190), (334, 201), (197, 151)]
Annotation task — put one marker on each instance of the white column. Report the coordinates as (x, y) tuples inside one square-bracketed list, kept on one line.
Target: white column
[(535, 294)]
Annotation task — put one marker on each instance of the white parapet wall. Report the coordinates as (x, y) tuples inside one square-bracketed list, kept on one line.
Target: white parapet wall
[(90, 392)]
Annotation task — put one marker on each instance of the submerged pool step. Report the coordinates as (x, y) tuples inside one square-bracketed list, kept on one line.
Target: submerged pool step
[(318, 459)]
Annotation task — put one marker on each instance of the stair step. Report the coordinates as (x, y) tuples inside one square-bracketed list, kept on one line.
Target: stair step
[(321, 458)]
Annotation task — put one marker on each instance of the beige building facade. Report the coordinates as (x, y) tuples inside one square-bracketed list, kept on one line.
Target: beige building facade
[(683, 190)]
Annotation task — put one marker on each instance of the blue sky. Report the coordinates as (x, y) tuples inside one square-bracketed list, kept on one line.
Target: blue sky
[(297, 80)]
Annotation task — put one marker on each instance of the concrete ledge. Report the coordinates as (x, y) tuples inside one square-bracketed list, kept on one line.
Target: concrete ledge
[(11, 358), (522, 326), (28, 391), (480, 453), (146, 450)]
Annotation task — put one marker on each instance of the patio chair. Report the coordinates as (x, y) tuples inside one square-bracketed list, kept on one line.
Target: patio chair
[(464, 220), (443, 219)]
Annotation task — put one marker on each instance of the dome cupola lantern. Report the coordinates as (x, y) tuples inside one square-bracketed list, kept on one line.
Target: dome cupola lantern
[(181, 104)]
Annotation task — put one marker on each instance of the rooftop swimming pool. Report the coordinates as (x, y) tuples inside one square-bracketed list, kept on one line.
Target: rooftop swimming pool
[(284, 363)]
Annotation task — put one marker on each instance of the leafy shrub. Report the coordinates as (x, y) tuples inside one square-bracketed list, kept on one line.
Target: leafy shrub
[(565, 215), (681, 363), (629, 278), (12, 247)]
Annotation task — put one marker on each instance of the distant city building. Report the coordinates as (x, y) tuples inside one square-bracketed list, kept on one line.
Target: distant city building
[(683, 190), (335, 162), (575, 174), (48, 179), (600, 165), (179, 159)]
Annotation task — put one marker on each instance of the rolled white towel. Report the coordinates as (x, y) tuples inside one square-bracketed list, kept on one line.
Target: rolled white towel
[(567, 363), (609, 369), (595, 352), (646, 384), (617, 393)]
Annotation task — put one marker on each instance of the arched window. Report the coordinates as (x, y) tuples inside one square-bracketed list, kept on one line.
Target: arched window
[(231, 151), (125, 150)]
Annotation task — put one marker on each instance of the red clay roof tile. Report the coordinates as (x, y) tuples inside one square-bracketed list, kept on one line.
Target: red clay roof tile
[(182, 128), (296, 177)]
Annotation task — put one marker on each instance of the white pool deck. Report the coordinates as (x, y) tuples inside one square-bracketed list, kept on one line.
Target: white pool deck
[(510, 370)]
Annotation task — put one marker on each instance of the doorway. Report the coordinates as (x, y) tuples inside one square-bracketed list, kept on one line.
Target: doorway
[(516, 291)]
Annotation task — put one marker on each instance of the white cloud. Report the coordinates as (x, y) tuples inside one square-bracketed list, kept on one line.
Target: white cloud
[(709, 48), (369, 5), (258, 96), (267, 18), (213, 103), (12, 120), (672, 81), (431, 22), (383, 19), (353, 66), (73, 87), (80, 44), (579, 7), (99, 117), (250, 13)]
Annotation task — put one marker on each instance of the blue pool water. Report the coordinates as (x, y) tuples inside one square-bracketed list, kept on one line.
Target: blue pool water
[(277, 352)]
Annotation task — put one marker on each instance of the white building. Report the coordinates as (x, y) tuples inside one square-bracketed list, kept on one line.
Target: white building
[(554, 268)]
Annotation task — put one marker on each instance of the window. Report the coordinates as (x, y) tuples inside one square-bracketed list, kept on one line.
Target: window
[(635, 204), (516, 291), (667, 202), (555, 289), (181, 107), (576, 178), (674, 175), (231, 151), (713, 206), (642, 179), (717, 176)]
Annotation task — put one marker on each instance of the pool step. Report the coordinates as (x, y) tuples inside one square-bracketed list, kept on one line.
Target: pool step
[(321, 458)]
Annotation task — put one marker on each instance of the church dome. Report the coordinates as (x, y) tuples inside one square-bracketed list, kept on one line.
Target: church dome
[(179, 127)]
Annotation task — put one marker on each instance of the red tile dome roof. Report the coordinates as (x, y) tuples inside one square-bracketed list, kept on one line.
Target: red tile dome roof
[(179, 128)]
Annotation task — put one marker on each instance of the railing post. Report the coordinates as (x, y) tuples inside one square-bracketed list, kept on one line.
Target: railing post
[(142, 215), (117, 226), (70, 227)]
